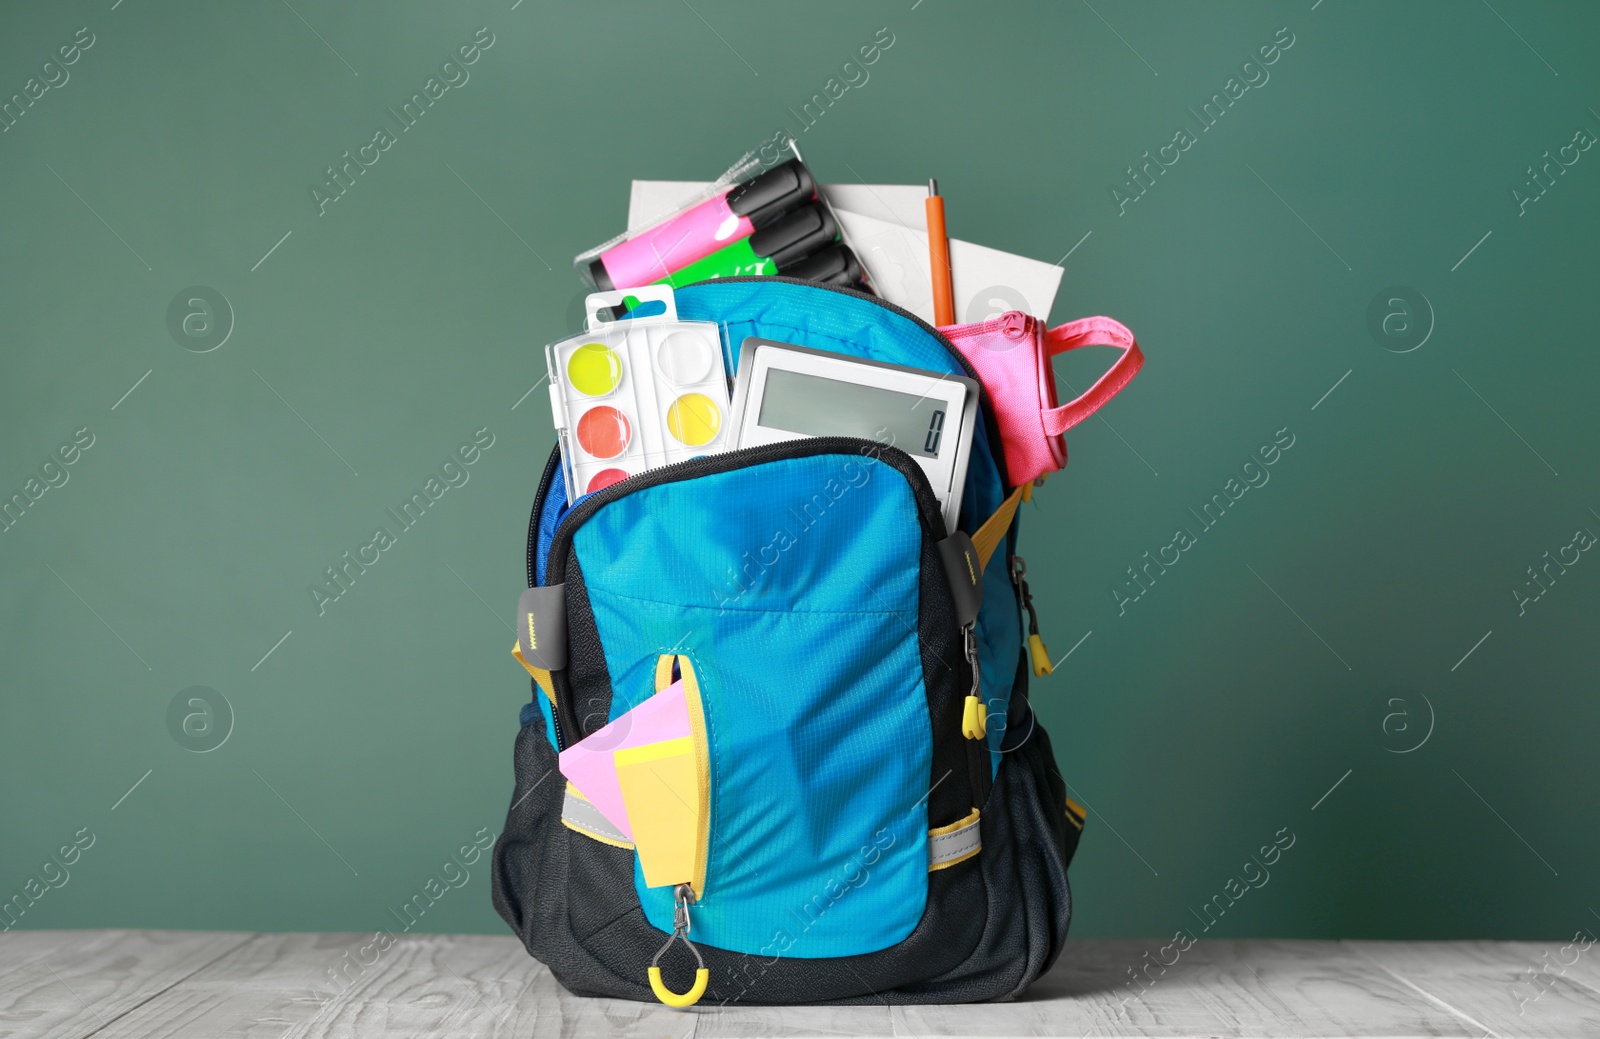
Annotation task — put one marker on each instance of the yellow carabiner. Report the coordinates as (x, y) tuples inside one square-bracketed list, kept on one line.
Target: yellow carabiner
[(679, 1000)]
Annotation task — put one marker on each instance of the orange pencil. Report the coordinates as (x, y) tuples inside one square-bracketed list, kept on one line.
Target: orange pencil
[(944, 305)]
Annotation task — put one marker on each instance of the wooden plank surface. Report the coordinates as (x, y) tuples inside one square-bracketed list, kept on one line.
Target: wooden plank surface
[(76, 983), (1259, 988), (309, 986), (1509, 988), (174, 985)]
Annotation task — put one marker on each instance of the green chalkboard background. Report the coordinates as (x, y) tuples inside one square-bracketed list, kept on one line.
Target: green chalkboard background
[(1344, 654)]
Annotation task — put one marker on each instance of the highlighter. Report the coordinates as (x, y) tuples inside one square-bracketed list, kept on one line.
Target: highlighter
[(835, 265), (697, 233), (771, 250)]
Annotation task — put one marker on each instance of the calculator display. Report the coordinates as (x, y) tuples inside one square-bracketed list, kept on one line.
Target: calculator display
[(816, 406)]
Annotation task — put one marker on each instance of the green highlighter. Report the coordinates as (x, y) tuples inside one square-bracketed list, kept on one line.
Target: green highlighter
[(772, 250)]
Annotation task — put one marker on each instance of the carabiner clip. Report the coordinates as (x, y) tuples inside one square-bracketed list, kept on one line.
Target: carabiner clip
[(682, 896)]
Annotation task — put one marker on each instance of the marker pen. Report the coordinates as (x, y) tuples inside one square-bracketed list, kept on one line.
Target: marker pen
[(835, 265), (772, 250), (713, 224)]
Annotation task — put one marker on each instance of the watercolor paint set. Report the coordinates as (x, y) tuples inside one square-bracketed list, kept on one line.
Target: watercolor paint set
[(632, 394)]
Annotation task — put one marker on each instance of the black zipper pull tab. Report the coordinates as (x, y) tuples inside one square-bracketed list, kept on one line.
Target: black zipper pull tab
[(1036, 649)]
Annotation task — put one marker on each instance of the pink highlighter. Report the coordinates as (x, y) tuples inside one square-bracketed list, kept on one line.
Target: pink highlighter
[(693, 235)]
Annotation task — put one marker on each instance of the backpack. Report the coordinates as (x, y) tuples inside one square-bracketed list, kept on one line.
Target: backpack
[(886, 818)]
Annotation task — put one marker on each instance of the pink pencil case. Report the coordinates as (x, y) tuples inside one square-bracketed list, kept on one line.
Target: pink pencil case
[(1012, 354)]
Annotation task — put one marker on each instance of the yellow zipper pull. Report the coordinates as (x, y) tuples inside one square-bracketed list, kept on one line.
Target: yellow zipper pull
[(1040, 655), (974, 714), (973, 720), (682, 898), (1037, 652)]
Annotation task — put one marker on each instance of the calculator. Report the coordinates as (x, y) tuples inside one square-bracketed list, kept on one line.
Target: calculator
[(786, 392)]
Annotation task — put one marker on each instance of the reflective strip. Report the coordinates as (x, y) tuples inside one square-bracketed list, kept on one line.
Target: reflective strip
[(948, 845), (578, 815)]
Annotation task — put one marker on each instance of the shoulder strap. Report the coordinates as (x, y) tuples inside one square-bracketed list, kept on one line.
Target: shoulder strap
[(1092, 331), (987, 538)]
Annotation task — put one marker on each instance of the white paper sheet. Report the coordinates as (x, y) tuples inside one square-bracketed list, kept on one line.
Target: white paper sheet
[(886, 224)]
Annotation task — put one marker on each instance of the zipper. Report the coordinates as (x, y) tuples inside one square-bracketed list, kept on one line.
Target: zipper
[(539, 496), (1038, 656), (742, 458), (550, 468), (1013, 324), (986, 406)]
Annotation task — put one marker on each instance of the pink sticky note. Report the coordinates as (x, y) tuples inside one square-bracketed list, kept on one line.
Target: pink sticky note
[(588, 763)]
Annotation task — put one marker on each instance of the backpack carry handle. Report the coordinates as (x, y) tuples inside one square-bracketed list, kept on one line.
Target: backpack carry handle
[(1091, 331)]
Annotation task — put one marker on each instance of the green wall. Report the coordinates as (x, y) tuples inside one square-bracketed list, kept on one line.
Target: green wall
[(1320, 627)]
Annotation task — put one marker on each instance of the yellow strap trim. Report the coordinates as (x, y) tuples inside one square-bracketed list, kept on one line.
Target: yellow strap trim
[(1075, 813), (540, 675), (702, 977), (987, 538)]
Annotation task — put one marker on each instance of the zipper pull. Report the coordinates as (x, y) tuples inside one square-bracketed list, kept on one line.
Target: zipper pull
[(974, 714), (1036, 649), (682, 899), (1041, 656)]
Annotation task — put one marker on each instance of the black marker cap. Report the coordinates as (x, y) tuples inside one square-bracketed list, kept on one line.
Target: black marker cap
[(795, 236), (602, 278), (835, 265), (765, 198)]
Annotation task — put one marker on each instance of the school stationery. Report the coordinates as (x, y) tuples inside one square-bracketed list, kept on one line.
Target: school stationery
[(835, 265), (944, 308), (633, 394), (701, 229), (776, 249), (886, 227), (785, 391)]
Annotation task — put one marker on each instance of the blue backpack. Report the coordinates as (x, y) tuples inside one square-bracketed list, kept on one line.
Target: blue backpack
[(870, 840)]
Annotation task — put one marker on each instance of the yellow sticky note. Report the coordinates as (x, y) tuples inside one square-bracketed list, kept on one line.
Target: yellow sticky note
[(661, 788)]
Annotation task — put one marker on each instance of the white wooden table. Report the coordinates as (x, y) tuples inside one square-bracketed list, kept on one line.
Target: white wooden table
[(177, 985)]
